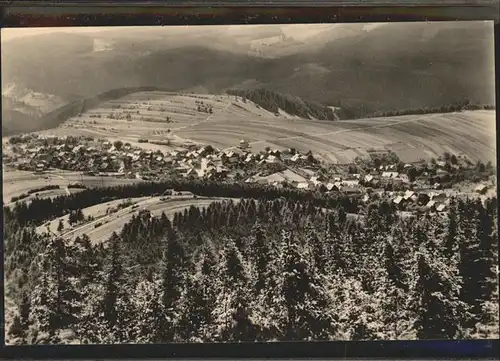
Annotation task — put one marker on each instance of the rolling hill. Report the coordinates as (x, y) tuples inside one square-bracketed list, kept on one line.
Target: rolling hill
[(412, 137), (393, 66)]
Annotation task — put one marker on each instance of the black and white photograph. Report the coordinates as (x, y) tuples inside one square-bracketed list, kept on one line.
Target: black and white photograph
[(249, 183)]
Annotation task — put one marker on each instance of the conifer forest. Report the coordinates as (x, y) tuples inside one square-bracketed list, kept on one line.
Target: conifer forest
[(257, 269)]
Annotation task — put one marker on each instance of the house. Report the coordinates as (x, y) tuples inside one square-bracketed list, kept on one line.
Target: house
[(441, 163), (302, 185), (229, 157), (423, 198), (350, 182), (77, 149), (331, 186), (404, 178), (431, 204), (439, 197), (351, 190), (440, 207), (481, 189), (191, 172), (365, 198), (423, 178), (249, 158), (369, 178), (295, 158), (390, 174), (272, 159), (398, 200), (408, 194)]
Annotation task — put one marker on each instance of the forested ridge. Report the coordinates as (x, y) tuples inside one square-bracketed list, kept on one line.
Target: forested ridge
[(273, 102), (263, 270), (39, 210)]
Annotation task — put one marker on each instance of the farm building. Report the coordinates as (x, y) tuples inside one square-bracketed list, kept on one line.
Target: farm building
[(244, 144)]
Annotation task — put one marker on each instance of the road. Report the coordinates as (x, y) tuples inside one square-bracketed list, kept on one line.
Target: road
[(114, 222)]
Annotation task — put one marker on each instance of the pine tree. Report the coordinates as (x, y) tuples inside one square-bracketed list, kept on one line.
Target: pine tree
[(60, 227), (149, 312), (44, 306), (450, 244), (439, 312), (306, 303), (474, 264), (116, 299), (260, 257), (173, 266)]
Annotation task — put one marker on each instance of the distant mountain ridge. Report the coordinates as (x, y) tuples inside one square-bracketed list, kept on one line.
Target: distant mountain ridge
[(391, 67)]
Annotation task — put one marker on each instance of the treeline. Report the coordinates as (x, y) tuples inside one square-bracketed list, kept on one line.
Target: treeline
[(458, 107), (273, 102), (40, 210), (357, 110), (261, 271)]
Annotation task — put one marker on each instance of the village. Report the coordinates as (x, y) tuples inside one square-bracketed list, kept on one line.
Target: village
[(420, 187)]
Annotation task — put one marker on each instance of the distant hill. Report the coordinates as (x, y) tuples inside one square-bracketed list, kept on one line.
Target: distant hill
[(274, 102), (392, 67), (57, 116)]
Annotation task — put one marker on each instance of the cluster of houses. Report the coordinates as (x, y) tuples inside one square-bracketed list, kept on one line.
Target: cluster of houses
[(279, 168)]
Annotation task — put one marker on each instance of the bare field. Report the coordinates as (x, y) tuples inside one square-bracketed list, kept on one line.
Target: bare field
[(105, 224), (16, 182), (412, 137)]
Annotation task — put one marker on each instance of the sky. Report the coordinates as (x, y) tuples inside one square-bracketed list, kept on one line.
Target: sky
[(294, 30)]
